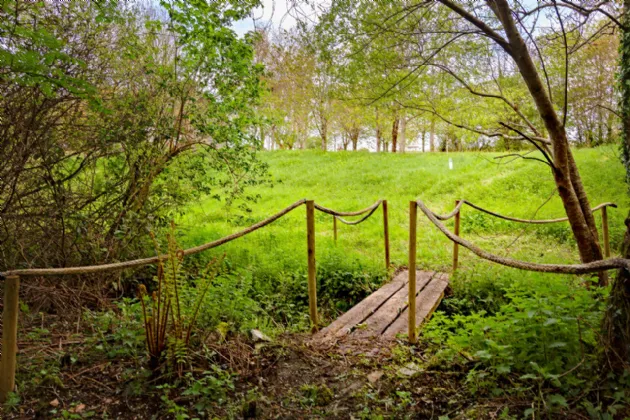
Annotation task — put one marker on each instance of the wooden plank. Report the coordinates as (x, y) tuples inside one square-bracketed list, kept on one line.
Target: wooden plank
[(386, 234), (8, 363), (427, 302), (312, 285), (391, 310), (344, 324), (413, 242)]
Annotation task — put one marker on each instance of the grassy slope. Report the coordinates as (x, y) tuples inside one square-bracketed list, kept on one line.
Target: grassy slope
[(349, 181)]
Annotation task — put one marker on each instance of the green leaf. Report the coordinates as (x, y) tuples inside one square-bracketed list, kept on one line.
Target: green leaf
[(557, 399)]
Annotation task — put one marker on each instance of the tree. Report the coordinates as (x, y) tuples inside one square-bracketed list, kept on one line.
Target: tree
[(99, 103), (616, 323)]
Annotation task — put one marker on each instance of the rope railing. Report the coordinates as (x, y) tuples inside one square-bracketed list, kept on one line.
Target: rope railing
[(348, 213), (8, 364), (586, 268), (367, 212), (457, 214), (150, 260), (451, 214), (509, 218), (532, 221), (356, 222)]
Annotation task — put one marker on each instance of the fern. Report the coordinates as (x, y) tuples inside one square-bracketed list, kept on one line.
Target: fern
[(171, 311)]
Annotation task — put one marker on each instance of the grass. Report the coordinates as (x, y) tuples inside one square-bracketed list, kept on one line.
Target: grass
[(350, 181), (518, 343)]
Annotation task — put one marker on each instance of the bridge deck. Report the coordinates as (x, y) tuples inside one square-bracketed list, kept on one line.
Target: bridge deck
[(384, 313)]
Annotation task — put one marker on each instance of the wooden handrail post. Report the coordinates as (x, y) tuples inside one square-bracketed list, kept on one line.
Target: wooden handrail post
[(9, 336), (335, 227), (605, 232), (312, 285), (413, 216), (386, 233), (455, 244)]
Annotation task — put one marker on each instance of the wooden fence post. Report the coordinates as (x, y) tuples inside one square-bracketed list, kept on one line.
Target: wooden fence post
[(605, 232), (335, 227), (455, 244), (9, 336), (413, 216), (312, 285), (386, 232)]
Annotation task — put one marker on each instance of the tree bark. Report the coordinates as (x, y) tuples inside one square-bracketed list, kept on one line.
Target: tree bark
[(354, 138), (378, 133), (403, 135), (395, 133), (432, 136), (565, 171), (616, 324)]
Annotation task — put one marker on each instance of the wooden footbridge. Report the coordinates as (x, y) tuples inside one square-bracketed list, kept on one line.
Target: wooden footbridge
[(398, 307), (386, 313)]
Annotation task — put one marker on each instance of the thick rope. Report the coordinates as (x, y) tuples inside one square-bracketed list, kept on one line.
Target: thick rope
[(451, 214), (538, 222), (356, 222), (591, 267), (150, 260), (348, 213), (512, 219)]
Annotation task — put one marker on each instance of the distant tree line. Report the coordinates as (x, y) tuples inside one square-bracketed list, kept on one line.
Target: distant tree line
[(350, 82)]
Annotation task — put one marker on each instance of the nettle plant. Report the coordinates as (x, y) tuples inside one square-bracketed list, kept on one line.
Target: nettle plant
[(171, 310), (543, 333)]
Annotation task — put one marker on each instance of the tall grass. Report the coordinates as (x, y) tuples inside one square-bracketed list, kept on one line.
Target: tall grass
[(351, 180)]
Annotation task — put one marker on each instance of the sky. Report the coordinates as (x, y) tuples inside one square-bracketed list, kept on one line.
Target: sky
[(280, 14)]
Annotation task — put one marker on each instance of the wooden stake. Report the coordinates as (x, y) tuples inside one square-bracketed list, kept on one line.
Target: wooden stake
[(335, 227), (312, 285), (455, 244), (605, 232), (413, 216), (386, 233), (9, 336)]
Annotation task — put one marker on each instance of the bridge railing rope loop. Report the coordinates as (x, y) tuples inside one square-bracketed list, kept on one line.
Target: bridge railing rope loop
[(596, 266), (367, 213)]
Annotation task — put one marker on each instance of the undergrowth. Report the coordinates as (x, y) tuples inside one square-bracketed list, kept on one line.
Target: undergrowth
[(527, 335)]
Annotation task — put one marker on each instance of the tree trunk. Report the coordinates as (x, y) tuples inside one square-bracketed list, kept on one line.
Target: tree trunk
[(403, 135), (378, 133), (395, 133), (354, 137), (565, 172), (432, 136), (616, 325)]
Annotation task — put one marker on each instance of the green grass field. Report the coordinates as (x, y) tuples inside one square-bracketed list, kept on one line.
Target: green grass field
[(351, 181), (274, 258)]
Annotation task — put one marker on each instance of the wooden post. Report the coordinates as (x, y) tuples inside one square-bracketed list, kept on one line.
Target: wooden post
[(335, 227), (386, 232), (9, 336), (413, 216), (455, 244), (312, 285), (605, 232)]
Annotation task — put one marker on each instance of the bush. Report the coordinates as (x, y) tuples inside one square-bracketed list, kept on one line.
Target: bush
[(538, 328)]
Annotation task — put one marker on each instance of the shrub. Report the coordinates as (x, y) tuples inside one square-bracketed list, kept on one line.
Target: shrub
[(543, 329)]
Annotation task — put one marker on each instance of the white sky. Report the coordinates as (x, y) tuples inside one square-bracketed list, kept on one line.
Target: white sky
[(281, 14)]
